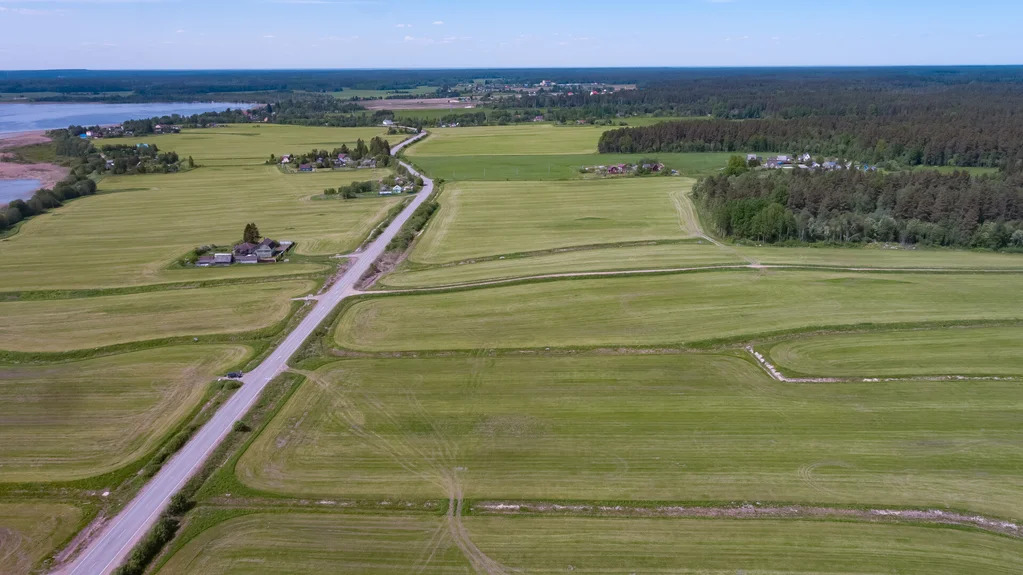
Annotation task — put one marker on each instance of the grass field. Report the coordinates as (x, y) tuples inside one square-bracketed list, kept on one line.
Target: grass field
[(537, 139), (131, 236), (552, 545), (991, 351), (248, 144), (482, 219), (316, 543), (555, 167), (81, 419), (675, 255), (84, 323), (638, 428), (879, 258), (667, 310), (30, 530)]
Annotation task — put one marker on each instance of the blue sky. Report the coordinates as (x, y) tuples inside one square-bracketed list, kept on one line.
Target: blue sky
[(155, 34)]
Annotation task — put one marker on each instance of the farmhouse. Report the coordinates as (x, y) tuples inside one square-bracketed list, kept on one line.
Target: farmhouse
[(222, 259), (286, 159), (305, 168)]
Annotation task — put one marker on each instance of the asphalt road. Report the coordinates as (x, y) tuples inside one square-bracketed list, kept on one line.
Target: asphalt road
[(110, 547)]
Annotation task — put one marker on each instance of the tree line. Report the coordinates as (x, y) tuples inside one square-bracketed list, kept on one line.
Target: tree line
[(919, 207), (958, 140)]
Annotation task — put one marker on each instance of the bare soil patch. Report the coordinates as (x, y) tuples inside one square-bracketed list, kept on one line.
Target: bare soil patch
[(48, 174), (19, 139)]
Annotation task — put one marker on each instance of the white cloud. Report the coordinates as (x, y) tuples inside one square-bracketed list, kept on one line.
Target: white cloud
[(403, 25), (438, 22), (269, 36)]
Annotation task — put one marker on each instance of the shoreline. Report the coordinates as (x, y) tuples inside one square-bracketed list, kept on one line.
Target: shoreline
[(47, 174)]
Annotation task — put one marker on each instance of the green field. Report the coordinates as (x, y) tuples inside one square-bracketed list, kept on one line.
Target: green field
[(349, 93), (556, 167), (317, 543), (85, 323), (248, 144), (871, 257), (85, 418), (605, 258), (670, 310), (638, 428), (30, 530), (482, 219), (536, 139), (142, 224), (992, 351)]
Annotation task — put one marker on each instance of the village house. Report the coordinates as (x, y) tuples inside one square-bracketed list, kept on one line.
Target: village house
[(286, 159), (222, 259), (305, 168), (267, 250), (205, 261)]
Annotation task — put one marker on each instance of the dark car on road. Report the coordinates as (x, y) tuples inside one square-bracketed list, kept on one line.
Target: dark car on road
[(235, 375)]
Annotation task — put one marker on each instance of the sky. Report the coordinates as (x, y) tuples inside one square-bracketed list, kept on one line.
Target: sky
[(254, 34)]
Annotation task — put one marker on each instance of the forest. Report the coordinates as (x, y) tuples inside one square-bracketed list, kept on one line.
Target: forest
[(962, 138), (919, 207)]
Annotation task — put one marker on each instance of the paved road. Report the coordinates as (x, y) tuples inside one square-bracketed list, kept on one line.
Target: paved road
[(107, 550)]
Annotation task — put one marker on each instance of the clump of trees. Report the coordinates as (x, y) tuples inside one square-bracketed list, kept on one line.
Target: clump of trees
[(251, 234), (416, 222), (378, 149), (919, 207), (351, 190)]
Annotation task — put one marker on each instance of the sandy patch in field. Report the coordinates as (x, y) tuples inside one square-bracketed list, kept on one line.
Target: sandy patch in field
[(18, 139), (48, 174)]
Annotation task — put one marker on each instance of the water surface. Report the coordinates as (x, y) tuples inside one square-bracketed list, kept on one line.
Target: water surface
[(25, 117), (11, 190)]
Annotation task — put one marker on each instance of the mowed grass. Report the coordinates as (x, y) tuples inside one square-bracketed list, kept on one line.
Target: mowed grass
[(670, 309), (85, 323), (482, 219), (85, 418), (556, 166), (538, 139), (989, 351), (683, 427), (29, 531), (248, 144), (319, 543), (553, 544), (659, 256), (131, 236), (871, 257)]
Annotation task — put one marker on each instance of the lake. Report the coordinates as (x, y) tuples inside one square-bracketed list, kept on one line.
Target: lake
[(25, 117), (11, 190)]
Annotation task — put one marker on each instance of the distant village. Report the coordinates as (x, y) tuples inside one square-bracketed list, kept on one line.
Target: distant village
[(628, 169), (341, 161), (803, 162)]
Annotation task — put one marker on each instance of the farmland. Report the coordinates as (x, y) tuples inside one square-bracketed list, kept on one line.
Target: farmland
[(318, 542), (111, 344), (482, 219), (83, 323), (29, 531), (68, 420), (608, 429), (670, 309), (983, 351), (419, 423), (596, 259), (125, 237), (539, 139)]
